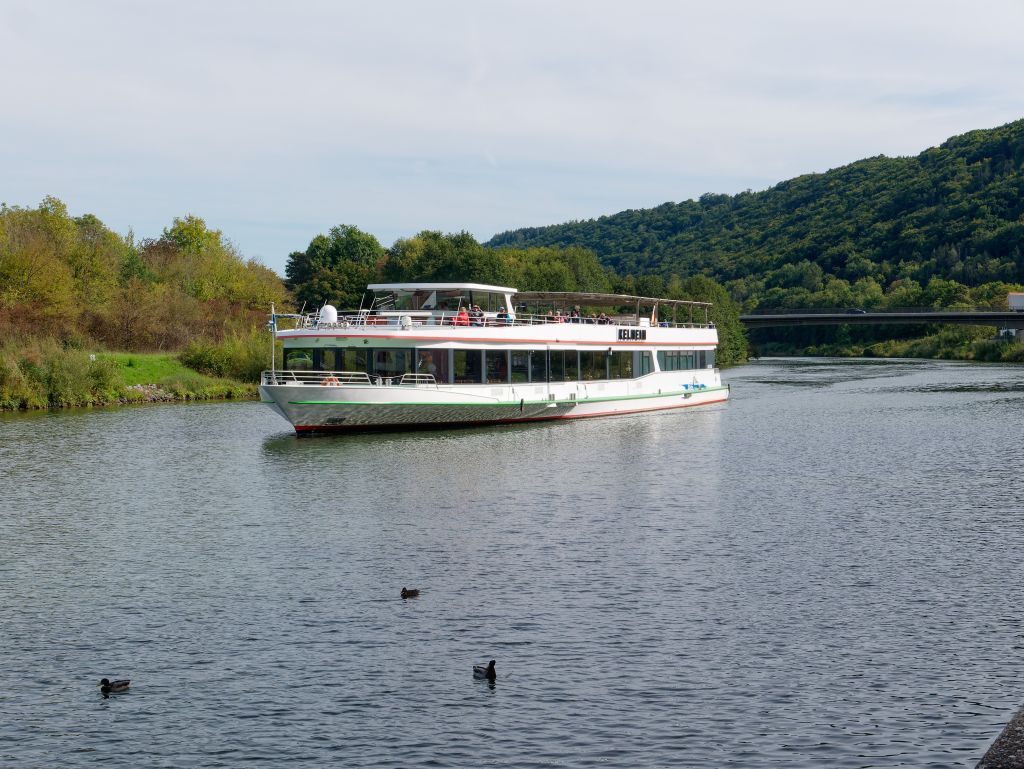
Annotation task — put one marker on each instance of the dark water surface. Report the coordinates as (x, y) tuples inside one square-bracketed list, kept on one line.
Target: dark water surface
[(824, 572)]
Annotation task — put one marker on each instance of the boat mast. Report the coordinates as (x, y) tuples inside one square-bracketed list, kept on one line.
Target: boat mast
[(273, 339)]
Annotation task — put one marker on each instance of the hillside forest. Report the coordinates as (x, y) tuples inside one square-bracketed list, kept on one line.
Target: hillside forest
[(943, 229)]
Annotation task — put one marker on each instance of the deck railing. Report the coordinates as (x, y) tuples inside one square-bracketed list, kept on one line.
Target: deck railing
[(413, 319), (348, 378)]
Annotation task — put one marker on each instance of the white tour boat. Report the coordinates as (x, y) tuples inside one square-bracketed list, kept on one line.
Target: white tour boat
[(433, 354)]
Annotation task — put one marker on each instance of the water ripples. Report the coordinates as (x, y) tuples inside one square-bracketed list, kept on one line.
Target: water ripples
[(820, 573)]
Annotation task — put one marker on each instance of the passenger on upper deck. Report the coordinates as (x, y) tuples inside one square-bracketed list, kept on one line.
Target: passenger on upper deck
[(503, 318), (476, 315), (462, 319)]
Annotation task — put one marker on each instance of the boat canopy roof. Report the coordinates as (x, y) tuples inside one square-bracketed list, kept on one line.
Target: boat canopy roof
[(599, 300), (398, 287)]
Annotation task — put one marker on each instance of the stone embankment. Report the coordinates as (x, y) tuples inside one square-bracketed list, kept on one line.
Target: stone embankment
[(1007, 752), (151, 393)]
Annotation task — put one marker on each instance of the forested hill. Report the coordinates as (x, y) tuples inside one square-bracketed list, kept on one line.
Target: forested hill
[(954, 212)]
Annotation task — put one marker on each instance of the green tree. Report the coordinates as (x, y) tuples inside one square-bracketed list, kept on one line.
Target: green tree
[(191, 235), (725, 314), (335, 267)]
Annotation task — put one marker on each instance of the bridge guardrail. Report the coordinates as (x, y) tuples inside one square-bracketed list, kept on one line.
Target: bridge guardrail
[(859, 310)]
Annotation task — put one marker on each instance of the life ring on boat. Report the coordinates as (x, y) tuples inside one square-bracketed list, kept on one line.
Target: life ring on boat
[(331, 381)]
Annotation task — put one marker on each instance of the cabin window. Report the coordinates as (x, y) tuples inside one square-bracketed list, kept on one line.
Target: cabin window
[(329, 359), (676, 360), (593, 364), (620, 365), (556, 365), (433, 362), (488, 302), (520, 366), (572, 365), (645, 362), (468, 366), (705, 358), (298, 359), (423, 300), (496, 366), (538, 365), (352, 359), (565, 365), (392, 361)]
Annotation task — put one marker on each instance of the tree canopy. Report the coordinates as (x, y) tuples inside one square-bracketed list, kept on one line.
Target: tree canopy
[(336, 266), (329, 272), (73, 278)]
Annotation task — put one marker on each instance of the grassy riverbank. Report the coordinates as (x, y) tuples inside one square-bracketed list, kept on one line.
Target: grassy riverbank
[(172, 376), (45, 374)]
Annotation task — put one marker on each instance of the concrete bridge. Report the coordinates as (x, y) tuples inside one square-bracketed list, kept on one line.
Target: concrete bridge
[(997, 318)]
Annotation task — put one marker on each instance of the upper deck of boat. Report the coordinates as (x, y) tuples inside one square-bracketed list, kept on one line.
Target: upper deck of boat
[(408, 306)]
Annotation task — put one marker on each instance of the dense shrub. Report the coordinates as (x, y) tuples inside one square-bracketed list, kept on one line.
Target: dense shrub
[(38, 373), (240, 357)]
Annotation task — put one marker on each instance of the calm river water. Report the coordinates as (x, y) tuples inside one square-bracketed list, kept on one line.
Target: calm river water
[(824, 572)]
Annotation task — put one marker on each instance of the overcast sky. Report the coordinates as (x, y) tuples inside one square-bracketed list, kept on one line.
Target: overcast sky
[(276, 121)]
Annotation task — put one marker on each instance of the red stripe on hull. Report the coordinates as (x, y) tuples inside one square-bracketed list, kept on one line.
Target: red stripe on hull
[(484, 423)]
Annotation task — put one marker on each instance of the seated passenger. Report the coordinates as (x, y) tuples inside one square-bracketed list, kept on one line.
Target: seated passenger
[(477, 315), (503, 318), (462, 319)]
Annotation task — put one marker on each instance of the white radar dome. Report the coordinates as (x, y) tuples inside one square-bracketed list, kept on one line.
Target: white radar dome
[(328, 314)]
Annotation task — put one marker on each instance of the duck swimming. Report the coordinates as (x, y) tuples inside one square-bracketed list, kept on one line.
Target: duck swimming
[(479, 671), (410, 593), (114, 687)]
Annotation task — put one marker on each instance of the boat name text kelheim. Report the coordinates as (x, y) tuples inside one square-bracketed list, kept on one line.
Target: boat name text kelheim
[(632, 334)]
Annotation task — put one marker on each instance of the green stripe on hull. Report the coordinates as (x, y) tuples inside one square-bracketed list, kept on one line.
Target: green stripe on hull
[(505, 404)]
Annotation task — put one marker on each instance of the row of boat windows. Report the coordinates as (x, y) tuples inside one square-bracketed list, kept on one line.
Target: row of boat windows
[(495, 366)]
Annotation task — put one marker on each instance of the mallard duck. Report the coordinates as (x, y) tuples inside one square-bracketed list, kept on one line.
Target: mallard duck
[(406, 593), (480, 671), (114, 687)]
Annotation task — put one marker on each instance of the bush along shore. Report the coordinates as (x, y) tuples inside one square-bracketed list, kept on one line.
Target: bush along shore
[(45, 374)]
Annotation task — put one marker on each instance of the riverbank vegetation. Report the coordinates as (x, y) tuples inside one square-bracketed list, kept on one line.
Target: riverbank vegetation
[(41, 373), (72, 289)]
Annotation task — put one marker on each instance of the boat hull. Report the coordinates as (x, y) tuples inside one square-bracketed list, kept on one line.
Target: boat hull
[(312, 408)]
